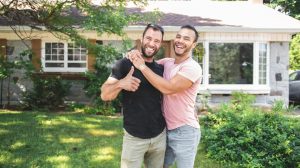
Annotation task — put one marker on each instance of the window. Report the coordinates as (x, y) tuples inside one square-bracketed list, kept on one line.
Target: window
[(235, 66), (64, 57), (295, 76)]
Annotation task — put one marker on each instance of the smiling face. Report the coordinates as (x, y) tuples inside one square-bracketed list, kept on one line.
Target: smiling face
[(184, 42), (151, 42)]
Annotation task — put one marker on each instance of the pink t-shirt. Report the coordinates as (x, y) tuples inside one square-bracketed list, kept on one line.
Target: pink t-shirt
[(179, 108)]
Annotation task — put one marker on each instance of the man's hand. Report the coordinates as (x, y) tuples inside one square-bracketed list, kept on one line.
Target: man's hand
[(136, 58), (130, 83)]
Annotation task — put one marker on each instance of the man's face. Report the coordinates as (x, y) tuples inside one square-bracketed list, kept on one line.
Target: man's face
[(151, 42), (184, 42)]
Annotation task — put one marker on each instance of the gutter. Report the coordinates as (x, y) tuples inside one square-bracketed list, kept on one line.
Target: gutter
[(199, 28)]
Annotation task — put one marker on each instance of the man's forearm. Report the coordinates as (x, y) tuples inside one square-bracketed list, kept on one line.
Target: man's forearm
[(157, 81), (110, 91)]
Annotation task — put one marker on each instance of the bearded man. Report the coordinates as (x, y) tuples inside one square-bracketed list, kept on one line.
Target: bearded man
[(144, 125)]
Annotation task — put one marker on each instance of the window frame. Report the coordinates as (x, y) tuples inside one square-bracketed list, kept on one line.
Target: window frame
[(65, 61), (254, 88)]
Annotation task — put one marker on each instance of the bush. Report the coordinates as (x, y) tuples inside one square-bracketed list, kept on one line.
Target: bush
[(46, 94), (247, 137), (106, 109)]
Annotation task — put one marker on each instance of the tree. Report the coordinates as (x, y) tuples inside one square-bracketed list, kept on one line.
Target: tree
[(291, 8), (63, 18), (295, 53)]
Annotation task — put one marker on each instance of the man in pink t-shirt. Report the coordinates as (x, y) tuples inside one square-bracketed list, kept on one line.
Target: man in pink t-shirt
[(182, 77)]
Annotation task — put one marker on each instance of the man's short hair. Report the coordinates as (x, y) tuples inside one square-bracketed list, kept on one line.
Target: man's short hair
[(191, 28), (154, 27)]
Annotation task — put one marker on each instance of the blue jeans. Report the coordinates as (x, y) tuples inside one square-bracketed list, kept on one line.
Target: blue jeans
[(182, 144)]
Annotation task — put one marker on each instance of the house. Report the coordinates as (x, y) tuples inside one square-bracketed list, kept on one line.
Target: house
[(246, 47)]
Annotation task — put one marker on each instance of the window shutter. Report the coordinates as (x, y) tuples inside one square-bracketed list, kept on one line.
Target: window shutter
[(36, 45), (3, 44), (91, 57)]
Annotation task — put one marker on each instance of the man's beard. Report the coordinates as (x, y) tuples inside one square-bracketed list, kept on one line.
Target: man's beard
[(148, 56), (186, 51)]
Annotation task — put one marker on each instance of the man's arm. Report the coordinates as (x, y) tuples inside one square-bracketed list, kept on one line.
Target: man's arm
[(112, 87), (177, 84)]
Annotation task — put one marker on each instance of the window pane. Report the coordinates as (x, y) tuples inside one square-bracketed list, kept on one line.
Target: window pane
[(61, 57), (54, 45), (60, 45), (231, 63), (54, 65), (78, 65), (48, 50), (262, 63), (61, 51), (48, 45), (70, 57), (76, 57), (54, 51), (48, 57), (198, 53), (293, 76)]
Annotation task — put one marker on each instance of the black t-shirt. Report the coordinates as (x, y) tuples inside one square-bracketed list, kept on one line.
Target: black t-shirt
[(142, 109)]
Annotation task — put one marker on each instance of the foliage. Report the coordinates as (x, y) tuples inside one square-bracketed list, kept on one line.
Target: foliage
[(279, 106), (7, 68), (105, 109), (63, 18), (289, 7), (248, 137), (295, 53), (204, 99), (46, 93), (198, 53)]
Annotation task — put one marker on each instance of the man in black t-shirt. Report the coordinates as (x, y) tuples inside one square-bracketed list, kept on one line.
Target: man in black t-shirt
[(144, 125)]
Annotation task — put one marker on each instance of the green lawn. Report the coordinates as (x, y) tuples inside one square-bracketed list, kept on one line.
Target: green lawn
[(36, 139)]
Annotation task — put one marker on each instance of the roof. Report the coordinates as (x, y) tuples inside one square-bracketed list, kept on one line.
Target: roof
[(209, 16), (221, 16)]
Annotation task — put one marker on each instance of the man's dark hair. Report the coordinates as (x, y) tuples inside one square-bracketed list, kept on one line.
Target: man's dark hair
[(191, 28), (154, 27)]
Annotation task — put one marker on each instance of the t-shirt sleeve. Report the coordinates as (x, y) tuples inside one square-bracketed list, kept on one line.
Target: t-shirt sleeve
[(119, 69), (191, 71), (163, 61)]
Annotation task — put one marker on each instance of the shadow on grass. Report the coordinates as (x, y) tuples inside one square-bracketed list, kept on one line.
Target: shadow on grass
[(33, 139)]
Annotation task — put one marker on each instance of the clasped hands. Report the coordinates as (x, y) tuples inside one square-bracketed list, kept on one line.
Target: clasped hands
[(135, 56)]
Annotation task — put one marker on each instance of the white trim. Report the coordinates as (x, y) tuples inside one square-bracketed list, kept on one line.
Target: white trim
[(206, 74), (255, 63), (176, 28), (228, 89), (268, 64), (223, 29)]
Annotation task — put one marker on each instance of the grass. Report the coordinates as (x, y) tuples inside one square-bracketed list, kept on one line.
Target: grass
[(68, 140)]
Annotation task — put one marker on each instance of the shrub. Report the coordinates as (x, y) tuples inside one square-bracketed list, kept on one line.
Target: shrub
[(247, 137), (46, 93), (105, 109)]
